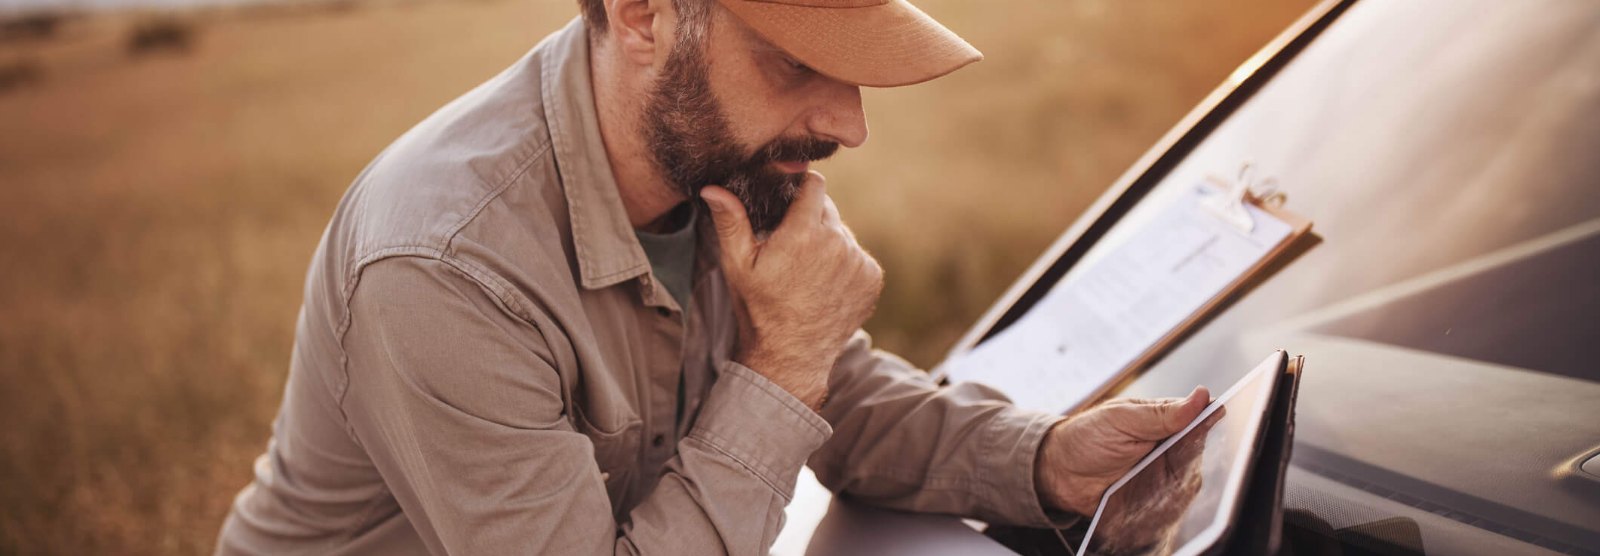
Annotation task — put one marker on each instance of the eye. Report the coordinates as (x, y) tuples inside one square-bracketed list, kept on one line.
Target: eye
[(796, 66)]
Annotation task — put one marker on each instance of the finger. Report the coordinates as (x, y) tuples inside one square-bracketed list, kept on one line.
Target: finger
[(1178, 414), (1155, 421), (1141, 401), (830, 213), (831, 218), (851, 237), (1191, 447), (809, 204), (1198, 391), (1143, 423), (732, 224)]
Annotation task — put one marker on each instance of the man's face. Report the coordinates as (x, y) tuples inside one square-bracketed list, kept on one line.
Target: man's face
[(759, 146)]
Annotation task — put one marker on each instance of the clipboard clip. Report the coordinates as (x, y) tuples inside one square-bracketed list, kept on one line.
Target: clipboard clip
[(1229, 204)]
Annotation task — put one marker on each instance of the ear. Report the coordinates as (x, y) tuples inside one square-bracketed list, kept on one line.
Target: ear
[(643, 30)]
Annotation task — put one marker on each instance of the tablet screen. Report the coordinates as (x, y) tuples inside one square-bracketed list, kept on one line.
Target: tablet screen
[(1179, 499)]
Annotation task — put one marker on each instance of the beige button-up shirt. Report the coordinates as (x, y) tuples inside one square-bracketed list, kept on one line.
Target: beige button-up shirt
[(484, 365)]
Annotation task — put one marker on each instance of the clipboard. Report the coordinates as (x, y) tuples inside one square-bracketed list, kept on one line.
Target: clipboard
[(1018, 360), (1242, 191)]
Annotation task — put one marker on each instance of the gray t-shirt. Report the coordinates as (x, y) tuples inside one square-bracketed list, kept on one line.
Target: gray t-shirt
[(671, 255)]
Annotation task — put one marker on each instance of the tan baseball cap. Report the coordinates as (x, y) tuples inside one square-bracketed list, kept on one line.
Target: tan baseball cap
[(872, 43)]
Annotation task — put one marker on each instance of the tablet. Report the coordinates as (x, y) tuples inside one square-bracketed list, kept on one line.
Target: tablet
[(1182, 498)]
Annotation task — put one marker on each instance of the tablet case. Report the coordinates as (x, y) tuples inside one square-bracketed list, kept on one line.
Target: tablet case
[(1258, 529)]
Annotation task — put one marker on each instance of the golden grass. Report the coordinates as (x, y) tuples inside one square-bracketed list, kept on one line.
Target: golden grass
[(159, 213)]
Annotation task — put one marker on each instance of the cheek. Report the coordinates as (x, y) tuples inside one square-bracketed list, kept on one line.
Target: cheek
[(757, 109)]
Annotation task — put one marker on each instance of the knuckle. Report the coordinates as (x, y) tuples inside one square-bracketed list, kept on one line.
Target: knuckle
[(842, 237), (870, 275), (815, 177), (826, 240), (874, 272), (815, 237)]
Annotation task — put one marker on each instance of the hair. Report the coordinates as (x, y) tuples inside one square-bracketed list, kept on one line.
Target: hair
[(594, 16), (694, 18)]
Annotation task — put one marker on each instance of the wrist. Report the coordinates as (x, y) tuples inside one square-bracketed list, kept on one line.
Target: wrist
[(791, 373), (1055, 485), (1043, 480)]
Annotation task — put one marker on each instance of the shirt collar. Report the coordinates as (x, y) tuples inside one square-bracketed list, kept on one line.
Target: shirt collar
[(608, 253)]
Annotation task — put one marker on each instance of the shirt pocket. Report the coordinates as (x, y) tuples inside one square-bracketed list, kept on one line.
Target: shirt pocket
[(616, 453)]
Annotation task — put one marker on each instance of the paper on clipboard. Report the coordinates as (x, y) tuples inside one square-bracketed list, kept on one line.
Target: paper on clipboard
[(1086, 330)]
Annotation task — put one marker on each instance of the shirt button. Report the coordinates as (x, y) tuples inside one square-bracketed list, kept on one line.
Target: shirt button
[(659, 440)]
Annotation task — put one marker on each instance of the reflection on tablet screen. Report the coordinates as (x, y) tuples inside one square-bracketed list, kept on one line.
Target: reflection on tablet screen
[(1180, 498)]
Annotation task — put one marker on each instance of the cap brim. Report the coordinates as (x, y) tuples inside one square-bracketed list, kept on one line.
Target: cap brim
[(887, 45)]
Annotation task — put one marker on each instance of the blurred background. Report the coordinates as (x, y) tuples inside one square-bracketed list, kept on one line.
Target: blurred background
[(166, 170)]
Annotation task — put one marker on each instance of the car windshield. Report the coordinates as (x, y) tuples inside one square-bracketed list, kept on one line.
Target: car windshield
[(1448, 310), (1446, 305)]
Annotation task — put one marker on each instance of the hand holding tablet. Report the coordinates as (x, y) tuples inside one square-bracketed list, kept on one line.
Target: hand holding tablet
[(1184, 496), (1084, 455)]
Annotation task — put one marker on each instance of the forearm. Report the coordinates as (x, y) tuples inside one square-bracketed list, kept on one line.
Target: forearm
[(900, 441), (734, 473), (474, 487)]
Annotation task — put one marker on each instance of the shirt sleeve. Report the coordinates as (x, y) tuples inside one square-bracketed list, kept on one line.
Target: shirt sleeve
[(900, 441), (457, 402)]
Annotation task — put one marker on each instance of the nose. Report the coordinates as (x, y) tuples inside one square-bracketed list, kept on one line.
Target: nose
[(841, 118)]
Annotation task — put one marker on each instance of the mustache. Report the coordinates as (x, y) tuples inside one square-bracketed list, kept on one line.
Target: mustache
[(795, 149)]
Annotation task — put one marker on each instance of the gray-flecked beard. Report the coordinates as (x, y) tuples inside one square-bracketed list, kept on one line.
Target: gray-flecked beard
[(693, 145)]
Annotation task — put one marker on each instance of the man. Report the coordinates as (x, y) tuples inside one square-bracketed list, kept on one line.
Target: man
[(523, 332)]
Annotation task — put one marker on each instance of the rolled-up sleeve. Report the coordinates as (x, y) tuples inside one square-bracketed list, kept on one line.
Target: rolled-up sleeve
[(457, 401), (900, 441)]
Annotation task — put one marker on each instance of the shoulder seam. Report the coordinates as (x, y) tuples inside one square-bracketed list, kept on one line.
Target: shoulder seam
[(484, 279), (494, 193)]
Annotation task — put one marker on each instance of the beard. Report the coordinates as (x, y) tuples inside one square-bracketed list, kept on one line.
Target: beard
[(693, 146)]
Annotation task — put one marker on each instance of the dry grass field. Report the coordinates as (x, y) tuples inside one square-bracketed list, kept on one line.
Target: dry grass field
[(158, 212)]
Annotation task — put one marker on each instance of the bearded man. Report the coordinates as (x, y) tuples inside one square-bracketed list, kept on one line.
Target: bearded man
[(524, 331)]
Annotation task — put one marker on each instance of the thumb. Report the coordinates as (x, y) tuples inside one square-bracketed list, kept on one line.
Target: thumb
[(1179, 413), (1156, 420), (732, 223)]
